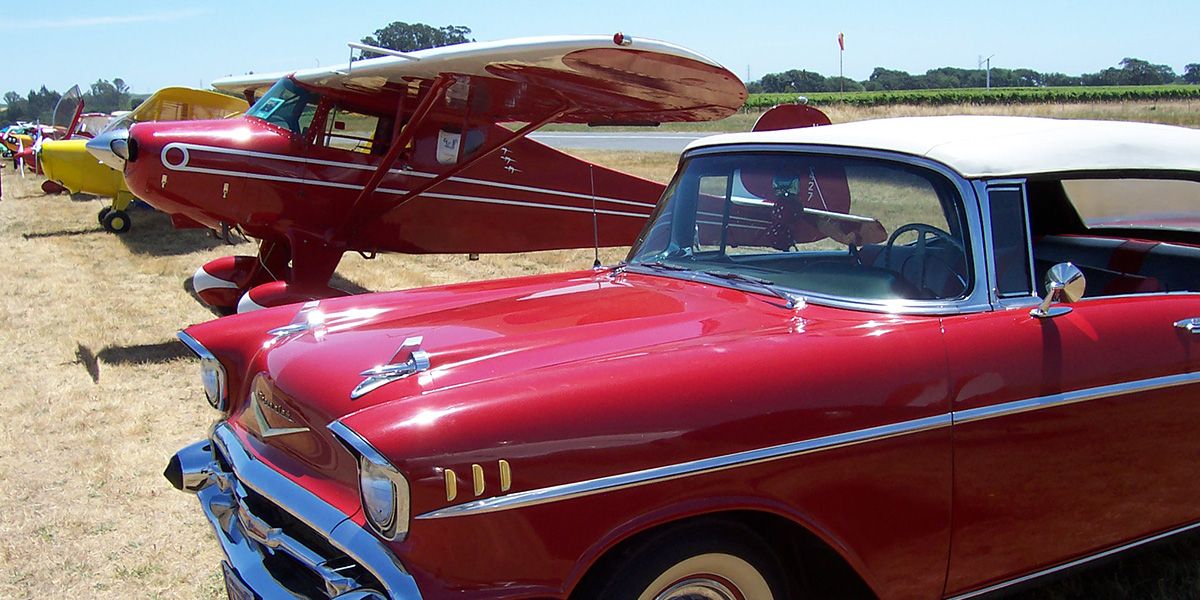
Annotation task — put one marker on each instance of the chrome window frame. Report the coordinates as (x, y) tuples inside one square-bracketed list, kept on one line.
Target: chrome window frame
[(982, 193), (978, 298)]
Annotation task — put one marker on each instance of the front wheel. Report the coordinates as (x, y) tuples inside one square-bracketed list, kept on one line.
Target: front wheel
[(711, 562), (116, 221)]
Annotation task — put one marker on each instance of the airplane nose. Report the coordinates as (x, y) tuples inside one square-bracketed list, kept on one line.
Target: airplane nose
[(113, 148)]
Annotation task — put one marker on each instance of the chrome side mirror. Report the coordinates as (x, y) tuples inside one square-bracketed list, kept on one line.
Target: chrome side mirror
[(1064, 283)]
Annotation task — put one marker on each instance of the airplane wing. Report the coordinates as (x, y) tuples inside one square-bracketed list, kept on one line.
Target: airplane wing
[(591, 79), (184, 104)]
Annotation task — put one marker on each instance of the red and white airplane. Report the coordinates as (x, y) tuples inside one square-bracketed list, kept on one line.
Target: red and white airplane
[(406, 153)]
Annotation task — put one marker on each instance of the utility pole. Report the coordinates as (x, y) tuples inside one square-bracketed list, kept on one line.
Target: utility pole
[(988, 62)]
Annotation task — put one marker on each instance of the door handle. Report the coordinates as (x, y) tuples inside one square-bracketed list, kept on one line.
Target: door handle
[(1191, 325)]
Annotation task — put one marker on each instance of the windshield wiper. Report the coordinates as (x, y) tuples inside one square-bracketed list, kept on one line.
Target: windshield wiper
[(762, 284), (656, 265)]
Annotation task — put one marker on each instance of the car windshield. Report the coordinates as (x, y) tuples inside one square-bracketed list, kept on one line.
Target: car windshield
[(287, 105), (819, 225)]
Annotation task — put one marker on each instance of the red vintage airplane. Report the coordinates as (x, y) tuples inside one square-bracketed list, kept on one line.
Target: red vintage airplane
[(405, 153)]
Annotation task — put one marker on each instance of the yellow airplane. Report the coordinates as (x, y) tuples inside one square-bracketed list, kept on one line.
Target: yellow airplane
[(68, 163)]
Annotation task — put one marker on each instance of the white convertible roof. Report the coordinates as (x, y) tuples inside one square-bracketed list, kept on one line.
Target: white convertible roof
[(986, 146)]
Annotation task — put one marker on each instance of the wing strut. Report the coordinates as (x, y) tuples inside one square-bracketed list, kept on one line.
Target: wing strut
[(357, 216), (480, 155), (406, 136)]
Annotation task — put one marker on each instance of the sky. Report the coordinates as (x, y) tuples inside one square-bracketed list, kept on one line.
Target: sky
[(154, 44)]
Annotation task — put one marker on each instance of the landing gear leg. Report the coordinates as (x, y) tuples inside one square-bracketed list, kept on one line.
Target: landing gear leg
[(313, 263)]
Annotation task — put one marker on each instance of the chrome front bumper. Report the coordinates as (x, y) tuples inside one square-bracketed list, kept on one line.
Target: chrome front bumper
[(281, 540)]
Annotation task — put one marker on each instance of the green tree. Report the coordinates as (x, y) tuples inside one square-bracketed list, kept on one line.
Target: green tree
[(887, 79), (407, 37), (107, 97), (1191, 73)]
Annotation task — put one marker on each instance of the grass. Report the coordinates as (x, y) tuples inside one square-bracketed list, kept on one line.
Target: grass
[(96, 396)]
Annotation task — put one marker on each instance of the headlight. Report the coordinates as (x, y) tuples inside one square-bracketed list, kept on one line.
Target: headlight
[(382, 489), (378, 493), (212, 373)]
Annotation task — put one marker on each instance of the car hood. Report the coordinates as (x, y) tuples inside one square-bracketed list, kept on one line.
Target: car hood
[(482, 332), (508, 334)]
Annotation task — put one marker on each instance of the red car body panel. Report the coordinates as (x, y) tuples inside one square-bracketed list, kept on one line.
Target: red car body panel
[(1024, 482), (567, 325), (941, 445)]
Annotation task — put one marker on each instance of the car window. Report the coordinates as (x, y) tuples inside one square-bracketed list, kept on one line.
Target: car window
[(843, 227), (1127, 235)]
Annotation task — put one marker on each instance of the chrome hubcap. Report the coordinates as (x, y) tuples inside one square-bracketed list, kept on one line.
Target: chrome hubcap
[(698, 588)]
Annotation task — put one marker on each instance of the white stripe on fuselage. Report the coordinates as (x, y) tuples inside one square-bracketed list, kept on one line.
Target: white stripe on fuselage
[(344, 165)]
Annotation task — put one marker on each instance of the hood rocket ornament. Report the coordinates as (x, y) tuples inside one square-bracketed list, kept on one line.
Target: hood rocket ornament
[(409, 359)]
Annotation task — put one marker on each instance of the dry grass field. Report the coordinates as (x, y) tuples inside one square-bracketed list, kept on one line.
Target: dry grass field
[(1174, 112), (96, 395)]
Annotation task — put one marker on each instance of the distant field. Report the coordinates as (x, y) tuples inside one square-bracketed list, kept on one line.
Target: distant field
[(1014, 95), (1170, 112)]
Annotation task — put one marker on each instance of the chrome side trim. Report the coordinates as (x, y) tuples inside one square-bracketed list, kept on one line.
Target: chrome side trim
[(208, 358), (334, 525), (1075, 563), (196, 347), (620, 481), (350, 438), (707, 465), (1072, 397)]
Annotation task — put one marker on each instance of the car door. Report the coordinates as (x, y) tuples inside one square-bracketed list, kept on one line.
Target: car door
[(1073, 434)]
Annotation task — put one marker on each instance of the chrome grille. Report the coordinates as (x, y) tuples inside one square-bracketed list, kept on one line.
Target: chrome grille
[(296, 555)]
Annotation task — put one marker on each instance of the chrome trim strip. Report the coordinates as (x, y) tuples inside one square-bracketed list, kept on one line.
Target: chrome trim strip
[(707, 465), (1073, 397), (335, 526), (620, 481), (206, 356), (1075, 563), (195, 346), (356, 442)]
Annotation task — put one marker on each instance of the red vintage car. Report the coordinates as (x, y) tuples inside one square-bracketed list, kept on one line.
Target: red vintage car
[(825, 367)]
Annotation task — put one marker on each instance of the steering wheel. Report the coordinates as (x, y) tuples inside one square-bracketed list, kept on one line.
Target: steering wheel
[(922, 255)]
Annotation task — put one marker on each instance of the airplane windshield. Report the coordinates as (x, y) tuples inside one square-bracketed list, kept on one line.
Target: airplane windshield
[(287, 105)]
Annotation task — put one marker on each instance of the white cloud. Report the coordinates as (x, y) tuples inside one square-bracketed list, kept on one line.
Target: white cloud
[(101, 21)]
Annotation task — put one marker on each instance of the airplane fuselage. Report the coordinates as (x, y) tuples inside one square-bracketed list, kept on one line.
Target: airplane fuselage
[(275, 184)]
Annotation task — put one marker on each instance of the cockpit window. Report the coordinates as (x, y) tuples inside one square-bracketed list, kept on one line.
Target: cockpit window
[(818, 225), (287, 105)]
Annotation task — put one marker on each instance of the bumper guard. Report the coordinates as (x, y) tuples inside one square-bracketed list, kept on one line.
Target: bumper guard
[(344, 561)]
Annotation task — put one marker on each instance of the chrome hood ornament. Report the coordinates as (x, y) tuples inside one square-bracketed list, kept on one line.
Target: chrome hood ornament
[(308, 317), (409, 359)]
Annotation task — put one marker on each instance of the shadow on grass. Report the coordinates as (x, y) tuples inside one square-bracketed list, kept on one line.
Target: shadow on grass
[(344, 284), (140, 354), (62, 233), (84, 356), (143, 354), (153, 234)]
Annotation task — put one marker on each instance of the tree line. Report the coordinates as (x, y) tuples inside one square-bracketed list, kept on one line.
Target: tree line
[(38, 105), (1130, 71)]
